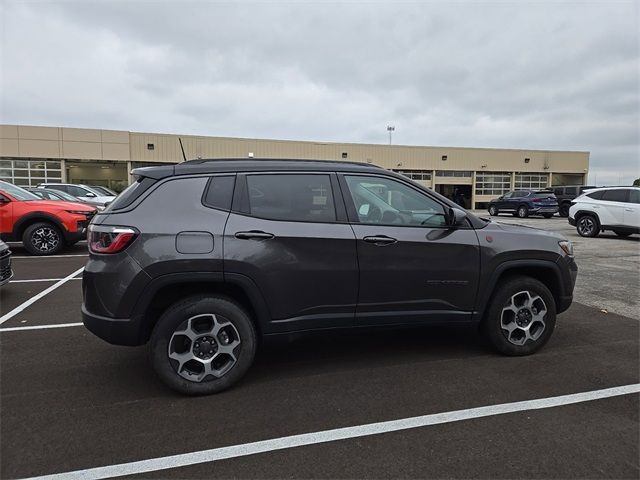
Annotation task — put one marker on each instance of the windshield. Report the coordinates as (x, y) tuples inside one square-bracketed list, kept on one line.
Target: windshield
[(103, 190), (17, 192), (63, 195)]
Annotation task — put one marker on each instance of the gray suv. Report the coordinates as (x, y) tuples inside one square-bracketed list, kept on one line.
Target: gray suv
[(202, 259)]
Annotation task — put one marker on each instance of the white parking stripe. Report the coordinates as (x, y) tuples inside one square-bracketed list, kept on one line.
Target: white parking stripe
[(42, 280), (40, 327), (204, 456), (42, 257), (37, 297)]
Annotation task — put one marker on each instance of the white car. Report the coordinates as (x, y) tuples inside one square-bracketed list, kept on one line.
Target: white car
[(611, 208), (82, 192)]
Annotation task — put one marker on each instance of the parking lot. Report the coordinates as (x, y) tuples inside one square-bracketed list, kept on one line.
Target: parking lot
[(71, 402)]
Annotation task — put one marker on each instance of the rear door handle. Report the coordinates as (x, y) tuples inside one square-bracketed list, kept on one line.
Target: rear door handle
[(254, 234), (380, 240)]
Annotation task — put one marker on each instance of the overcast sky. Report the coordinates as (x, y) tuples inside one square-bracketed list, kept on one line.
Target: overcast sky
[(547, 75)]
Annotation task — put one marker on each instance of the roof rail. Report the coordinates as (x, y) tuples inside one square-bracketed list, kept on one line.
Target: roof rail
[(252, 159)]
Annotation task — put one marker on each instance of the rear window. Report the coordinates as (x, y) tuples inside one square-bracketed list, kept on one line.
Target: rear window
[(619, 195), (220, 192), (544, 194), (131, 193), (596, 195)]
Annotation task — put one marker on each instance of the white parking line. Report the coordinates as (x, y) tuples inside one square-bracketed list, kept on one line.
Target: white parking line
[(41, 257), (40, 327), (234, 451), (37, 297), (42, 280)]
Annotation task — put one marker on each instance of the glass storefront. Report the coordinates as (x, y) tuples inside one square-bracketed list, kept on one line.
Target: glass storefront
[(493, 183), (531, 181), (30, 172)]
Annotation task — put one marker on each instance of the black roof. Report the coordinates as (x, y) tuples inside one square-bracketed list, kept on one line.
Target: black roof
[(252, 165)]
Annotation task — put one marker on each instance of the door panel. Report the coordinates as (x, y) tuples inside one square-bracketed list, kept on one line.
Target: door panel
[(306, 269), (413, 267), (632, 210), (427, 273), (611, 207)]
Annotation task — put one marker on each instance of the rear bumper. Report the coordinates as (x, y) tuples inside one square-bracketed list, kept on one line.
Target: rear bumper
[(5, 267), (117, 331), (544, 209)]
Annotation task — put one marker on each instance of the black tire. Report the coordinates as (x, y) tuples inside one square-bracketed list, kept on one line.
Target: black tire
[(42, 238), (588, 226), (547, 215), (174, 319), (564, 210), (621, 233), (502, 295), (493, 211), (523, 211)]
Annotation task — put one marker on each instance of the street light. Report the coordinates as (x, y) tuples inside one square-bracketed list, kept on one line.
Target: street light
[(390, 129)]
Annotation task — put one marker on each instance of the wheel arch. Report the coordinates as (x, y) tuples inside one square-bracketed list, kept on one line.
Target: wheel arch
[(168, 289), (26, 220), (545, 271)]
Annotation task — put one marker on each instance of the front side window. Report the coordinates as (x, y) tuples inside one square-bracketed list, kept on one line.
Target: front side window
[(619, 195), (291, 197), (383, 201), (77, 191)]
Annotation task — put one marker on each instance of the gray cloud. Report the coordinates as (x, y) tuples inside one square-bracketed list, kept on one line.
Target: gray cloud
[(549, 75)]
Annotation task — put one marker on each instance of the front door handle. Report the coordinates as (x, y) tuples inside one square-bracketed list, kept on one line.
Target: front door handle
[(254, 234), (380, 240)]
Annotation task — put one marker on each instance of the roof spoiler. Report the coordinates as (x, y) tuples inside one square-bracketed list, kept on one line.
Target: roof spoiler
[(156, 173)]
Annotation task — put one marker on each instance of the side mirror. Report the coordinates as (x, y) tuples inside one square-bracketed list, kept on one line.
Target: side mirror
[(90, 195), (456, 217), (500, 197)]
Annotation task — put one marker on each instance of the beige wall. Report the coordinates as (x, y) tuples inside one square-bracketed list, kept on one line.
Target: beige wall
[(63, 143), (91, 144)]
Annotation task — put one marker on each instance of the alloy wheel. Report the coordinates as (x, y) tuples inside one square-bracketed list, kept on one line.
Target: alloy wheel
[(45, 239), (202, 346), (586, 226), (522, 318)]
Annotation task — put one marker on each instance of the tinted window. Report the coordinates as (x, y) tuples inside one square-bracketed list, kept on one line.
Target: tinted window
[(62, 188), (558, 191), (291, 197), (383, 201), (508, 195), (634, 196), (596, 195), (571, 190), (220, 192), (619, 195), (77, 191)]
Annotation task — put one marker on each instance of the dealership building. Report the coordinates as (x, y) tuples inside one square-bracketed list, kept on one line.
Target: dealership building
[(30, 155)]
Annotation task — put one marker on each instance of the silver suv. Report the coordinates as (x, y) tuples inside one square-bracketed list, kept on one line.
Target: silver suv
[(83, 192)]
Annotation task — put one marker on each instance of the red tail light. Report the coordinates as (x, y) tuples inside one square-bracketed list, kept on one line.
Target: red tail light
[(110, 239)]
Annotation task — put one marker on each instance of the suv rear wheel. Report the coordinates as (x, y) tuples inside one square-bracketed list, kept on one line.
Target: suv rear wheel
[(42, 238), (523, 211), (202, 345), (521, 316), (493, 211), (588, 226)]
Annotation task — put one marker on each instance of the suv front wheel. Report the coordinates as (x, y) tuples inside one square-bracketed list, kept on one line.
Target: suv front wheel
[(521, 316), (42, 238), (203, 344), (588, 226)]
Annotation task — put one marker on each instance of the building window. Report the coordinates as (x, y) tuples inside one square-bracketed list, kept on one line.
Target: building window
[(492, 183), (453, 173), (150, 146), (344, 155), (444, 158), (29, 173), (531, 181), (527, 160), (415, 174)]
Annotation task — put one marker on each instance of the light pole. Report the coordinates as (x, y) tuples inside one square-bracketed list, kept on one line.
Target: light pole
[(390, 129)]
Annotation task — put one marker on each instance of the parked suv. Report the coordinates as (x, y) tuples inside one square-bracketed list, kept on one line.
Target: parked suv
[(566, 193), (522, 203), (82, 192), (43, 226), (613, 208), (202, 258)]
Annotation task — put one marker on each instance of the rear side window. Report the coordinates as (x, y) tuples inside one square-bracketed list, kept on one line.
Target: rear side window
[(634, 196), (220, 192), (619, 195), (291, 197), (62, 188), (131, 193), (76, 191), (596, 195)]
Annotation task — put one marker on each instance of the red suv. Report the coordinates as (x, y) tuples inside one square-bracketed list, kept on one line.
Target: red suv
[(43, 226)]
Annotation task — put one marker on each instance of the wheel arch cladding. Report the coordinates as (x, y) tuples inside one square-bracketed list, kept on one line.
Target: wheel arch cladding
[(24, 222), (154, 303)]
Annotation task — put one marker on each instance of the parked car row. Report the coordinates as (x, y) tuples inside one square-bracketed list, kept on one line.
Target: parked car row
[(590, 209)]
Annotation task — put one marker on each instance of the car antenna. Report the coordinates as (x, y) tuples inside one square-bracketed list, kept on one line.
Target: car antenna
[(182, 148)]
